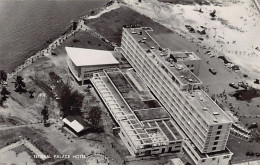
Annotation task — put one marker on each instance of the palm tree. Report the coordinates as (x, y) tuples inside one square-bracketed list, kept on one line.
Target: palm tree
[(4, 91), (19, 85)]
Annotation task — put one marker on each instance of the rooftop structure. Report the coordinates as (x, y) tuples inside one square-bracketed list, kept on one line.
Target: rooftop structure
[(90, 57), (144, 124), (188, 58), (182, 56), (83, 63)]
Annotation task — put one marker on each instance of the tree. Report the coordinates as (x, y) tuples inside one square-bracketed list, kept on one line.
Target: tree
[(4, 92), (19, 85), (70, 101), (213, 14), (3, 75), (31, 93), (45, 114), (94, 117), (1, 102)]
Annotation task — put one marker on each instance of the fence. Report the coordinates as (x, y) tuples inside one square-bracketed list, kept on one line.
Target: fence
[(41, 53)]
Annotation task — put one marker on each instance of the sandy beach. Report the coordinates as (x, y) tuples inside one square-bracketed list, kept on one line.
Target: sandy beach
[(232, 34)]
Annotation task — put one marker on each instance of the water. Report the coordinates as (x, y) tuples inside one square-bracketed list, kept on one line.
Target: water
[(26, 25)]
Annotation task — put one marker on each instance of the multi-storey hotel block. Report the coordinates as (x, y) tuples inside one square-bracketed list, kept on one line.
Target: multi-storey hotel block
[(204, 124), (145, 127)]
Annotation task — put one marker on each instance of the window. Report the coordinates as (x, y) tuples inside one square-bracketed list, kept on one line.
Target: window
[(215, 143), (188, 65), (220, 127), (214, 148), (218, 132), (225, 157), (216, 138)]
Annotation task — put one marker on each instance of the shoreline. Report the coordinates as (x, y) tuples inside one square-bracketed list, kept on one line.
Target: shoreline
[(51, 44), (234, 52)]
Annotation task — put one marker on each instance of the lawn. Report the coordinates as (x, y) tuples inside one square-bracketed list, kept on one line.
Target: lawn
[(82, 39), (110, 24), (240, 147)]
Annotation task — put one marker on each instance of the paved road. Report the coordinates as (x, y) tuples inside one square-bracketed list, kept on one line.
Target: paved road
[(257, 2), (17, 126)]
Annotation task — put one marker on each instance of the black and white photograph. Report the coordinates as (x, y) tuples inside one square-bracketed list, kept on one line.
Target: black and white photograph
[(129, 82)]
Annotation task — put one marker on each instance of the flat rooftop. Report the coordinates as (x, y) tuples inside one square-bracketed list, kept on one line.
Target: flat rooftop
[(182, 56), (180, 71), (134, 115), (90, 57), (206, 107)]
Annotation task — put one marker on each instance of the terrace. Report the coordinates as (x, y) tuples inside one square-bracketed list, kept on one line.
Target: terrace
[(115, 86), (128, 92), (139, 85), (167, 128), (152, 114)]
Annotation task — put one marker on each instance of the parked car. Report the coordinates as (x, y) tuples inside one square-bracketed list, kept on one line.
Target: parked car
[(250, 153), (212, 70), (56, 97), (191, 29), (233, 85)]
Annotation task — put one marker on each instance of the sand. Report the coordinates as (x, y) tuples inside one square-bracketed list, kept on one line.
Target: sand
[(234, 32)]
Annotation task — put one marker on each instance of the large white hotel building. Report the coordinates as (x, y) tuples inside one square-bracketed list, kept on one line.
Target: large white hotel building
[(204, 124)]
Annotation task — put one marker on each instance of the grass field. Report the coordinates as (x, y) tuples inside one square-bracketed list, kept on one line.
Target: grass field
[(82, 39), (110, 24), (240, 147)]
